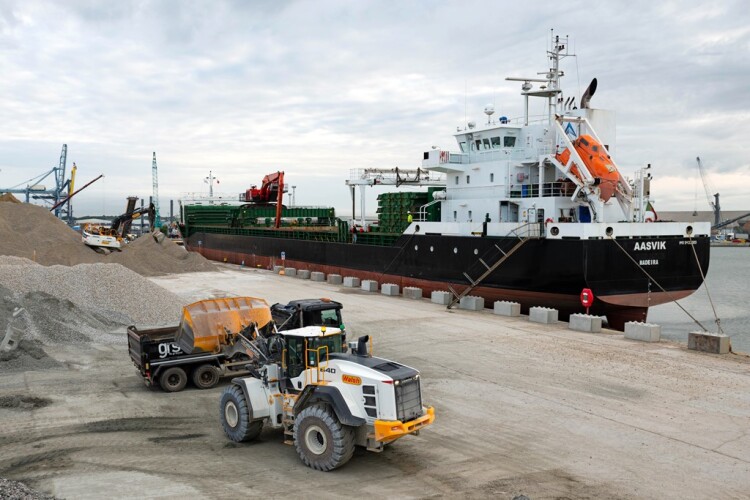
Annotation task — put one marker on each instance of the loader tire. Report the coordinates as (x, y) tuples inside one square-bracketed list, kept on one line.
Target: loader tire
[(173, 379), (235, 416), (205, 376), (322, 442)]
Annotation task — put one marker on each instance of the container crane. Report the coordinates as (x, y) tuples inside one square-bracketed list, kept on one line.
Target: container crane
[(62, 190), (714, 203)]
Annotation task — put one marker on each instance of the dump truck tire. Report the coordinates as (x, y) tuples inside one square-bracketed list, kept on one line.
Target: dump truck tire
[(205, 376), (235, 416), (173, 379), (322, 442)]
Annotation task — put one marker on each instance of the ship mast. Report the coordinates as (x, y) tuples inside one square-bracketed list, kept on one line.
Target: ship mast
[(551, 89)]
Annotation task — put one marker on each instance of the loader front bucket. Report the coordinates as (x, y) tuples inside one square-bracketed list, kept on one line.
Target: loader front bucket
[(208, 325)]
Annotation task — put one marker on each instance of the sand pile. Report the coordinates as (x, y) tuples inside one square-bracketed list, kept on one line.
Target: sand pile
[(32, 232)]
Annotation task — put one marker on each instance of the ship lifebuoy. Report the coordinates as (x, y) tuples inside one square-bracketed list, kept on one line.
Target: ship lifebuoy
[(549, 219), (649, 219)]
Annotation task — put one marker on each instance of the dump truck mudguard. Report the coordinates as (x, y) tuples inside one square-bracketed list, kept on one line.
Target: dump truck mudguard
[(331, 396)]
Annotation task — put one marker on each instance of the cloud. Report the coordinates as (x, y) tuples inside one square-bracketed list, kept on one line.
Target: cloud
[(318, 88)]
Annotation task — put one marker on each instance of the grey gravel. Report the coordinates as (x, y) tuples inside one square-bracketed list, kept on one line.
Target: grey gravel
[(14, 490)]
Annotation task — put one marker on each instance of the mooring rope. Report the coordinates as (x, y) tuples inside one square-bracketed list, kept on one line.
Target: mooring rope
[(659, 285), (703, 276)]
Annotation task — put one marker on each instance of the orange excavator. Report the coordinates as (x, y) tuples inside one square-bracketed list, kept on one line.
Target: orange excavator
[(271, 191), (597, 161)]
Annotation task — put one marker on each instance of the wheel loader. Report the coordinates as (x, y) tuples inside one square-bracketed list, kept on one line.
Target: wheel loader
[(326, 396)]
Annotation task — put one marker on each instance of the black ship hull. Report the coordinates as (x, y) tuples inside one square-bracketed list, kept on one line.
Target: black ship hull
[(627, 276)]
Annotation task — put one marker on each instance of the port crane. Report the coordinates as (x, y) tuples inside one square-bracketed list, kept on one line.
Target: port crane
[(711, 194), (62, 190)]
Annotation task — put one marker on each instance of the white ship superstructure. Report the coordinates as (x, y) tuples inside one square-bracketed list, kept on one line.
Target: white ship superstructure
[(508, 173)]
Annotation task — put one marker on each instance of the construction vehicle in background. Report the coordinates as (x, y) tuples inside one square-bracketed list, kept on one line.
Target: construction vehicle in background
[(162, 361), (104, 239), (270, 192)]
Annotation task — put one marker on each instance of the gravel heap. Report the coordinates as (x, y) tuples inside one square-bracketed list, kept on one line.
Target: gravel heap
[(83, 304), (13, 490), (32, 232), (98, 292)]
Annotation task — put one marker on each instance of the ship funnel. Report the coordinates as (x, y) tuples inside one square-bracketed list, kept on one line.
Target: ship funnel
[(588, 94)]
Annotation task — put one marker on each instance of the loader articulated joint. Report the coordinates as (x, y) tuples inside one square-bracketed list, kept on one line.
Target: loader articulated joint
[(329, 395)]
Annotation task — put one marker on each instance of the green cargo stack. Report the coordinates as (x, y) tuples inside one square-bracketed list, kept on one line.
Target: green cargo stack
[(393, 210)]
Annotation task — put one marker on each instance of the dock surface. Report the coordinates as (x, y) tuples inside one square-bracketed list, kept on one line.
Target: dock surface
[(521, 408)]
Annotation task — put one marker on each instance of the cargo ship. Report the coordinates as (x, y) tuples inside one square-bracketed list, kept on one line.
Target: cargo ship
[(532, 210)]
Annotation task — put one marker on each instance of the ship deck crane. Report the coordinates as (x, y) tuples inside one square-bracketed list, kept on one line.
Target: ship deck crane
[(271, 191), (710, 193)]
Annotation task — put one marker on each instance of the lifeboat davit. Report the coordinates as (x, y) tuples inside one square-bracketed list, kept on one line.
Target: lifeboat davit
[(597, 161)]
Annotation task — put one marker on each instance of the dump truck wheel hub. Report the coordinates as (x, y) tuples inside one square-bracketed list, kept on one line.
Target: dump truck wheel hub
[(315, 439), (231, 414)]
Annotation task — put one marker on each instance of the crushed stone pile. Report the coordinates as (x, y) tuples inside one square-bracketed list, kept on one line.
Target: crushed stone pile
[(83, 304), (32, 232), (14, 490)]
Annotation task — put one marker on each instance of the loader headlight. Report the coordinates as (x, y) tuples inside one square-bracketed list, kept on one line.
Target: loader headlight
[(397, 382)]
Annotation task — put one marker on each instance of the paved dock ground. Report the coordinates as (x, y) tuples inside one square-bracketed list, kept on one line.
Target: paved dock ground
[(522, 408)]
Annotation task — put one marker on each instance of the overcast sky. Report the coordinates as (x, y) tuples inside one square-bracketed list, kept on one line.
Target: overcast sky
[(316, 88)]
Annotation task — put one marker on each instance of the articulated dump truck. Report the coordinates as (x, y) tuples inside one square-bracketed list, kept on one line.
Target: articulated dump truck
[(206, 345)]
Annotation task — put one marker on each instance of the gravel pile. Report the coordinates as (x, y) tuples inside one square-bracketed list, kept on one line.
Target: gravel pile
[(13, 490), (99, 293), (32, 232), (83, 304)]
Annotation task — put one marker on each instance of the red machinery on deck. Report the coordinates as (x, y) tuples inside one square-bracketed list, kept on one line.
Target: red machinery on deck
[(271, 191)]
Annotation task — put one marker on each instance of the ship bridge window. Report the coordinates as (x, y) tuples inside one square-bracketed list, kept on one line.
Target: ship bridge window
[(464, 148), (509, 142), (478, 143), (492, 177), (468, 179), (495, 143), (486, 143), (456, 180)]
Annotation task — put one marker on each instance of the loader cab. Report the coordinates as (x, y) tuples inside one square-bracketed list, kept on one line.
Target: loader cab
[(310, 347), (307, 312)]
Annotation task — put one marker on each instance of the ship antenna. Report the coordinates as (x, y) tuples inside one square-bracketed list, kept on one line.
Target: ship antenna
[(466, 91)]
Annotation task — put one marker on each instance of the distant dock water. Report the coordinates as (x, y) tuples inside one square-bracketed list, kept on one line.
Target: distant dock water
[(728, 282)]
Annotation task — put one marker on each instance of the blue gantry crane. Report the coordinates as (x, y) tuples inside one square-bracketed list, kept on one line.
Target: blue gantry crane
[(34, 189)]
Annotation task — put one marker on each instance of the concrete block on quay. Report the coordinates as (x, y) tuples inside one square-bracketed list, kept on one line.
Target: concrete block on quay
[(412, 292), (303, 274), (317, 276), (471, 303), (351, 281), (290, 271), (544, 315), (278, 269), (335, 279), (441, 297), (370, 285), (645, 332), (389, 289), (506, 308), (585, 323), (708, 342)]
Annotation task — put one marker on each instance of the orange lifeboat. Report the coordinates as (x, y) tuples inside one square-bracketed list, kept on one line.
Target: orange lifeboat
[(597, 162)]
